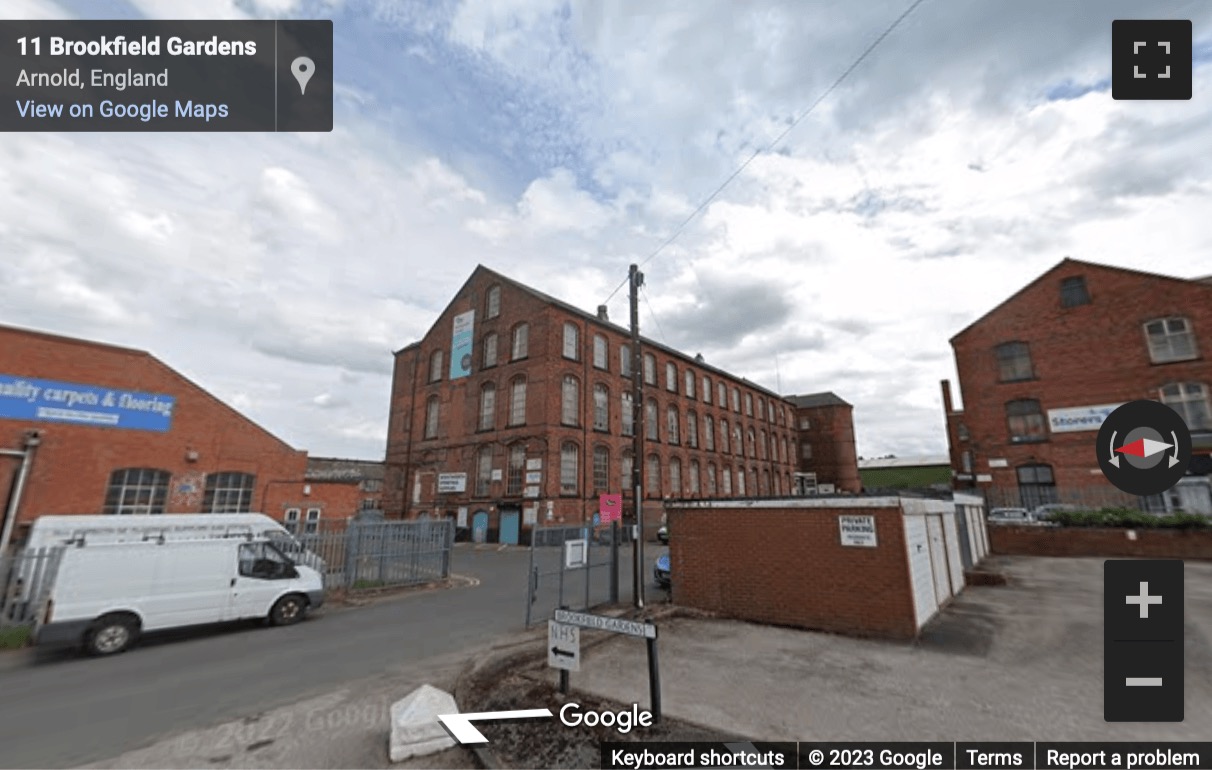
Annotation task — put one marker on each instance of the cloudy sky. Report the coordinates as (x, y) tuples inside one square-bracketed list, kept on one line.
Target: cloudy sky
[(557, 143)]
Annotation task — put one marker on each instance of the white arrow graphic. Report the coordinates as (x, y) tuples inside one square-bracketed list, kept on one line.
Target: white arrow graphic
[(460, 724)]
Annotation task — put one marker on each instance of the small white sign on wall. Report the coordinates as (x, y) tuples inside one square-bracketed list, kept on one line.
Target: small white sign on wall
[(461, 519), (534, 464), (530, 514), (998, 462), (858, 531), (534, 477)]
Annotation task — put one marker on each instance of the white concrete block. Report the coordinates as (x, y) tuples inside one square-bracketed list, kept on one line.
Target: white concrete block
[(415, 729)]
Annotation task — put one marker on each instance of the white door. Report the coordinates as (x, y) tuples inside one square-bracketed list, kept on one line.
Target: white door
[(256, 580), (938, 559), (917, 541), (954, 560)]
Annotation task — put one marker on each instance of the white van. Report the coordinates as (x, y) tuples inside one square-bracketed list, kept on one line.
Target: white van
[(103, 595)]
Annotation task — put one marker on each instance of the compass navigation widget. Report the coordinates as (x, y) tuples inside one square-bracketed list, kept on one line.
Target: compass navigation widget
[(1144, 448)]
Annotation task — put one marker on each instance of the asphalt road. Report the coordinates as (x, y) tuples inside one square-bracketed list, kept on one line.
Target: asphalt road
[(64, 710)]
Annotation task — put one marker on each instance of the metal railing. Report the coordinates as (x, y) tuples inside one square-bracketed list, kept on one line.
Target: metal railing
[(25, 583), (551, 584), (387, 553)]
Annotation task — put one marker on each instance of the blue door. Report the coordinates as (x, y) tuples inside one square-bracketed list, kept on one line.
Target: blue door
[(509, 526), (479, 527)]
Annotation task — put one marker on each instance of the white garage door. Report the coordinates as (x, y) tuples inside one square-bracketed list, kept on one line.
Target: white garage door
[(954, 560), (938, 558), (916, 540)]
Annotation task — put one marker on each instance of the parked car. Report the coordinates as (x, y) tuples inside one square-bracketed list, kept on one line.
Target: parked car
[(660, 570), (663, 535), (1044, 512), (104, 595), (1010, 516)]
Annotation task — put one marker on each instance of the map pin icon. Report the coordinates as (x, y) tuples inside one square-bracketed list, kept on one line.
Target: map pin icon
[(303, 68)]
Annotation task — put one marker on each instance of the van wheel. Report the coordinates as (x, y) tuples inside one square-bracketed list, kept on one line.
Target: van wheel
[(111, 634), (288, 610)]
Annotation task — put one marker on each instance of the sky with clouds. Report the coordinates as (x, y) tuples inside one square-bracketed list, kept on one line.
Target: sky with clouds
[(557, 143)]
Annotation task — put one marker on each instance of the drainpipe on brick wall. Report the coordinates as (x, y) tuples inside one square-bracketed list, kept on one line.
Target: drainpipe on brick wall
[(32, 439)]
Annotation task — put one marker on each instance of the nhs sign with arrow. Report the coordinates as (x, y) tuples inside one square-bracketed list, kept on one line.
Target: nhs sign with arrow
[(563, 646)]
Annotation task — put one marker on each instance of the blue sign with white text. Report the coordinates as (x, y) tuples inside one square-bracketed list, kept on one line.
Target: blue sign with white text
[(22, 398)]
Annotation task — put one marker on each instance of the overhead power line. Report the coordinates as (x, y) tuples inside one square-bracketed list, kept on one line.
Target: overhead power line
[(825, 94)]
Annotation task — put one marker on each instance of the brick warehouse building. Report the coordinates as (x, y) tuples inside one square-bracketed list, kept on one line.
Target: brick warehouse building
[(119, 431), (1039, 372), (827, 454), (514, 410)]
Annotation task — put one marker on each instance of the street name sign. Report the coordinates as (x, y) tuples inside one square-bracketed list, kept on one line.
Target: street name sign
[(604, 623)]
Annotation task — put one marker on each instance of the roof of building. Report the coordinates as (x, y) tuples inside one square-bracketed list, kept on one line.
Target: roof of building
[(607, 324), (905, 462), (828, 398), (1070, 261), (136, 353)]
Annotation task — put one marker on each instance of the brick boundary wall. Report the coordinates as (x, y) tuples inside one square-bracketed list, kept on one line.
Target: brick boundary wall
[(1082, 541), (787, 567)]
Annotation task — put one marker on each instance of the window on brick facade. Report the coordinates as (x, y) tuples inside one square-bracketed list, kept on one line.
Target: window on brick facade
[(483, 471), (570, 401), (778, 484), (1025, 420), (966, 461), (517, 402), (1014, 362), (671, 378), (626, 468), (688, 385), (711, 487), (748, 404), (762, 445), (1074, 292), (963, 433), (601, 469), (601, 352), (229, 492), (765, 490), (1190, 400), (572, 341), (490, 350), (693, 479), (721, 392), (628, 415), (652, 476), (492, 304), (625, 360), (516, 470), (137, 490), (692, 430), (671, 422), (783, 449), (805, 423), (601, 407), (805, 451), (736, 400), (650, 369), (675, 476), (431, 417), (651, 420), (708, 433), (706, 389), (740, 481), (521, 342), (1036, 485), (569, 468), (752, 444), (761, 409), (738, 441), (435, 365), (1170, 339), (726, 478), (488, 406), (291, 520), (724, 436)]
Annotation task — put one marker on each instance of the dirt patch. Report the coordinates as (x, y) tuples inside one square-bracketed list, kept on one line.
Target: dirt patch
[(523, 681)]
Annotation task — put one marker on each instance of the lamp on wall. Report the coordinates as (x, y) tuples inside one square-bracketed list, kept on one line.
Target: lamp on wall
[(306, 490)]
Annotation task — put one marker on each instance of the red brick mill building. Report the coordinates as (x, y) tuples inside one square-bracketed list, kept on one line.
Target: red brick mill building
[(108, 429), (1039, 372), (514, 410)]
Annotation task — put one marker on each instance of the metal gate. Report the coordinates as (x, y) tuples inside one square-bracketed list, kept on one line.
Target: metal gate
[(552, 585), (370, 554), (25, 584)]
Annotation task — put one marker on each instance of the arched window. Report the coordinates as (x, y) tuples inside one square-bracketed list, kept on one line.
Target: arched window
[(650, 369), (706, 389), (672, 420), (601, 407), (488, 406), (740, 481), (724, 435), (692, 430), (435, 365), (762, 445), (483, 471), (601, 469), (517, 402), (652, 476), (765, 483), (628, 415), (651, 420), (136, 490), (671, 377), (431, 417), (569, 468), (726, 477), (752, 443), (601, 352), (627, 467), (570, 401), (689, 384), (229, 492), (521, 341), (711, 479), (517, 469), (625, 360), (490, 350), (572, 341), (694, 477), (492, 304), (675, 476), (708, 432)]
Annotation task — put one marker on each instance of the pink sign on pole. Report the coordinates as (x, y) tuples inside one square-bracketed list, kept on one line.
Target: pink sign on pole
[(610, 507)]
